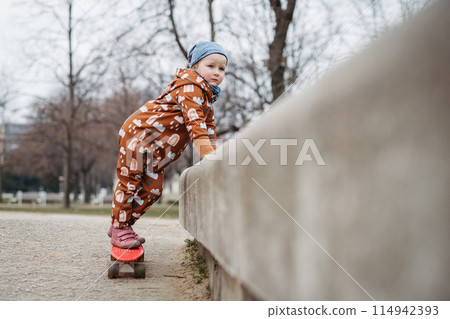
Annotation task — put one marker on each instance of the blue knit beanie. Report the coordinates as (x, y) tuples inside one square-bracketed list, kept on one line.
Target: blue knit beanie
[(203, 49)]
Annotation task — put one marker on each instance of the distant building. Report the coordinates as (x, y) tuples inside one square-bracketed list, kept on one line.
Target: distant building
[(13, 132), (9, 136)]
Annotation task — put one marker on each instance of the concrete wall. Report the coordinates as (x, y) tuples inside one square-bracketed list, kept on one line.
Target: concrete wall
[(374, 222)]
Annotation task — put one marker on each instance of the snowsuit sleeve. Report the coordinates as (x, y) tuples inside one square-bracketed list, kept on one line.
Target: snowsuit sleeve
[(211, 125), (198, 118)]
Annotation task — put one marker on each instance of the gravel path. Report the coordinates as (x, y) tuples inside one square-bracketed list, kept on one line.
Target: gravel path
[(65, 257)]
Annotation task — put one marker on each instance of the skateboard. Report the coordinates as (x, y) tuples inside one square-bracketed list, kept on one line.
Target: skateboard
[(133, 257)]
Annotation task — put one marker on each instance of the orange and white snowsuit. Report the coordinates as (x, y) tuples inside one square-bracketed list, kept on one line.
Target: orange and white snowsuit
[(156, 135)]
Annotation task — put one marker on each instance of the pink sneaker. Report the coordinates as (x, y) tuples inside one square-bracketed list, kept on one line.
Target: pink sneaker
[(124, 238), (136, 236)]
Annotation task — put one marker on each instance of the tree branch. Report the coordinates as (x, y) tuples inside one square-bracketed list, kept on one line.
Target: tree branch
[(174, 29), (211, 20)]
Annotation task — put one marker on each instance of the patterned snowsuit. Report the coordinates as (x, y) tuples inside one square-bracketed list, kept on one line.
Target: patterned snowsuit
[(156, 135)]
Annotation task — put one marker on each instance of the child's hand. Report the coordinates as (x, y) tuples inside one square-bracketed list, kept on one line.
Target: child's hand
[(203, 146)]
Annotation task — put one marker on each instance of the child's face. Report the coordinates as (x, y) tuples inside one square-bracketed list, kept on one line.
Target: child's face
[(212, 68)]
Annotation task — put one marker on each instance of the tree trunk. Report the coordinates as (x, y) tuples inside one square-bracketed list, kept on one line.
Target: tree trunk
[(67, 174), (211, 20), (87, 187), (76, 185), (87, 190), (174, 29), (277, 63), (70, 117)]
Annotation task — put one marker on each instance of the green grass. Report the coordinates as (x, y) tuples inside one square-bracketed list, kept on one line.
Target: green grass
[(86, 209), (196, 260)]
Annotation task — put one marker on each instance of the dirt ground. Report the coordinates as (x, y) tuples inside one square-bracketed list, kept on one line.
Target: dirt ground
[(65, 257)]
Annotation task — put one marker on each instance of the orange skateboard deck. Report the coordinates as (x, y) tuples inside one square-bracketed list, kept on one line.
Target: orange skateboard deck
[(133, 257)]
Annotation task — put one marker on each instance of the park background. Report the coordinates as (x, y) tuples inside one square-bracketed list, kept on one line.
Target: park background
[(72, 71)]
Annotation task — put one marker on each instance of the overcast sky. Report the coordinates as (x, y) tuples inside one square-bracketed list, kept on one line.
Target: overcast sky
[(16, 25), (8, 28)]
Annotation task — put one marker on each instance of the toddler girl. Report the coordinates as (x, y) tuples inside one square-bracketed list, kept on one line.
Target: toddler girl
[(157, 134)]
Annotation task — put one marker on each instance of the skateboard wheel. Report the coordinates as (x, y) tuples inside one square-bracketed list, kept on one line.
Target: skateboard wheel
[(113, 259), (139, 271), (113, 271), (141, 259)]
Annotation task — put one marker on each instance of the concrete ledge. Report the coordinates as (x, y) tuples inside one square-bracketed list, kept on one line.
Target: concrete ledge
[(371, 224), (223, 286)]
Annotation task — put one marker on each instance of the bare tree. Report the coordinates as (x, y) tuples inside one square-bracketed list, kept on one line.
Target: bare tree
[(92, 148), (175, 30), (211, 20), (42, 143), (277, 61), (68, 119), (71, 69)]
